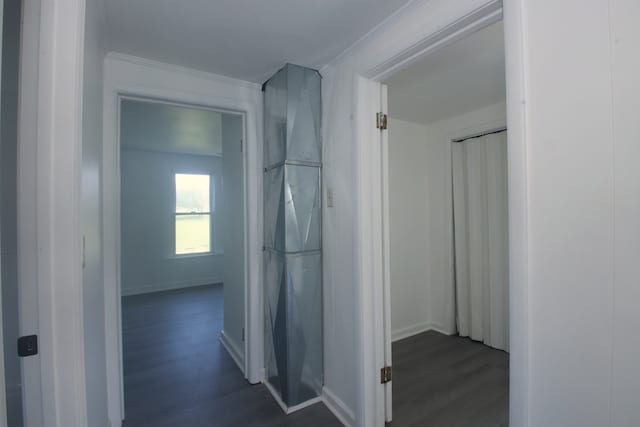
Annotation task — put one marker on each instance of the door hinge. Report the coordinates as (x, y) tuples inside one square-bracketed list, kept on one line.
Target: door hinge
[(385, 375), (381, 121)]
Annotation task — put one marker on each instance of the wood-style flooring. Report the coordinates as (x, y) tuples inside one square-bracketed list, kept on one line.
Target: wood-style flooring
[(449, 381), (177, 374)]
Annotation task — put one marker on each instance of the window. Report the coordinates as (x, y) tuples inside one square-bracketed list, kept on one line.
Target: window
[(193, 214)]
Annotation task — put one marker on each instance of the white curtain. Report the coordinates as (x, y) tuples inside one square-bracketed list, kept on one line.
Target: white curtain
[(480, 218)]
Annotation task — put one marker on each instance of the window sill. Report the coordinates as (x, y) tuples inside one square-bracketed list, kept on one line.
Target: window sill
[(196, 255)]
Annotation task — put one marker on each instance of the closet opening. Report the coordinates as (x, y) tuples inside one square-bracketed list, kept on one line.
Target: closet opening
[(445, 245)]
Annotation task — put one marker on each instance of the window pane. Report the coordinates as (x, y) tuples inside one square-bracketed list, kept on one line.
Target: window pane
[(192, 234), (192, 193)]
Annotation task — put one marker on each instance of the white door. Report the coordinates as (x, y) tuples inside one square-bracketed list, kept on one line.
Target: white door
[(373, 268), (386, 276), (233, 214)]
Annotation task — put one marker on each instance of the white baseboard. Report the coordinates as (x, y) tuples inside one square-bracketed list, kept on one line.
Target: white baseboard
[(168, 286), (233, 351), (338, 407), (303, 405), (439, 328), (290, 409), (412, 330), (409, 331)]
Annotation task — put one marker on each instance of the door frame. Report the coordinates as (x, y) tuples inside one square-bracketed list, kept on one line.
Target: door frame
[(250, 110), (3, 393), (49, 235), (373, 259)]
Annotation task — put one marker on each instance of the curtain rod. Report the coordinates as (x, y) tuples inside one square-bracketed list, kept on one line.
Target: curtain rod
[(478, 135)]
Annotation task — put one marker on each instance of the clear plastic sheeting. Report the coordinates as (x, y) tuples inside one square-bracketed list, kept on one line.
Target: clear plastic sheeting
[(293, 230)]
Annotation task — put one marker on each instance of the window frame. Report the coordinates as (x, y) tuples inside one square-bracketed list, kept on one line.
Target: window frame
[(210, 213)]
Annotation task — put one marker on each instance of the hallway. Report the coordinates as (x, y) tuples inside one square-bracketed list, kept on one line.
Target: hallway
[(176, 373)]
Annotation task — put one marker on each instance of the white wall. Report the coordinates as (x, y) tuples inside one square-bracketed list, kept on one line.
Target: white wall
[(409, 217), (232, 214), (338, 240), (90, 216), (421, 230), (582, 133), (625, 72), (147, 223)]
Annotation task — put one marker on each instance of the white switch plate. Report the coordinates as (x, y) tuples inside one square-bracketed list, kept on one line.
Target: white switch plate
[(329, 198)]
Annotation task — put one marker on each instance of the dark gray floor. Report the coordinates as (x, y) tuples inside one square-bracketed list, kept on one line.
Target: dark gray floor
[(177, 374), (449, 381)]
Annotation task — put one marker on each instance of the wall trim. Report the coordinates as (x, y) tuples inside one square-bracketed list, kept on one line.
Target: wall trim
[(150, 63), (233, 350), (290, 409), (377, 58), (410, 331), (371, 33), (438, 327), (55, 189), (303, 405), (126, 76), (170, 286), (480, 18), (338, 408)]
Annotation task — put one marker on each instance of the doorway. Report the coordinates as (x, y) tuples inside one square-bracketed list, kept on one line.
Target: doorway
[(445, 239), (182, 256)]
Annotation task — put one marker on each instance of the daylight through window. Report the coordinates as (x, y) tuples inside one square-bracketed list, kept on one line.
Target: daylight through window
[(193, 214)]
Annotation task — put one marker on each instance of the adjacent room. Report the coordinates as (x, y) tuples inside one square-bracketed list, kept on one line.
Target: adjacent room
[(182, 258), (448, 235)]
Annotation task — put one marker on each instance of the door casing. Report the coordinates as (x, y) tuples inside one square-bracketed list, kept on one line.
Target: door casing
[(134, 82), (373, 258)]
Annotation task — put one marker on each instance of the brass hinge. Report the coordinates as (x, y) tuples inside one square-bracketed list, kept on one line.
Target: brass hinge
[(385, 375), (381, 121)]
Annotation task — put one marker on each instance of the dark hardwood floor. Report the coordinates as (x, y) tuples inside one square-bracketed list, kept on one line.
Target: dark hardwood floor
[(449, 381), (177, 374)]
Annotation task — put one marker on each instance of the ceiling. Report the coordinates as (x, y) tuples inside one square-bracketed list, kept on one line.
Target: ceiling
[(459, 78), (153, 126), (245, 39)]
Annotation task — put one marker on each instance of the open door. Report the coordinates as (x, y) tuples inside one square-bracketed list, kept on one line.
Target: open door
[(233, 214), (386, 276), (373, 271)]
